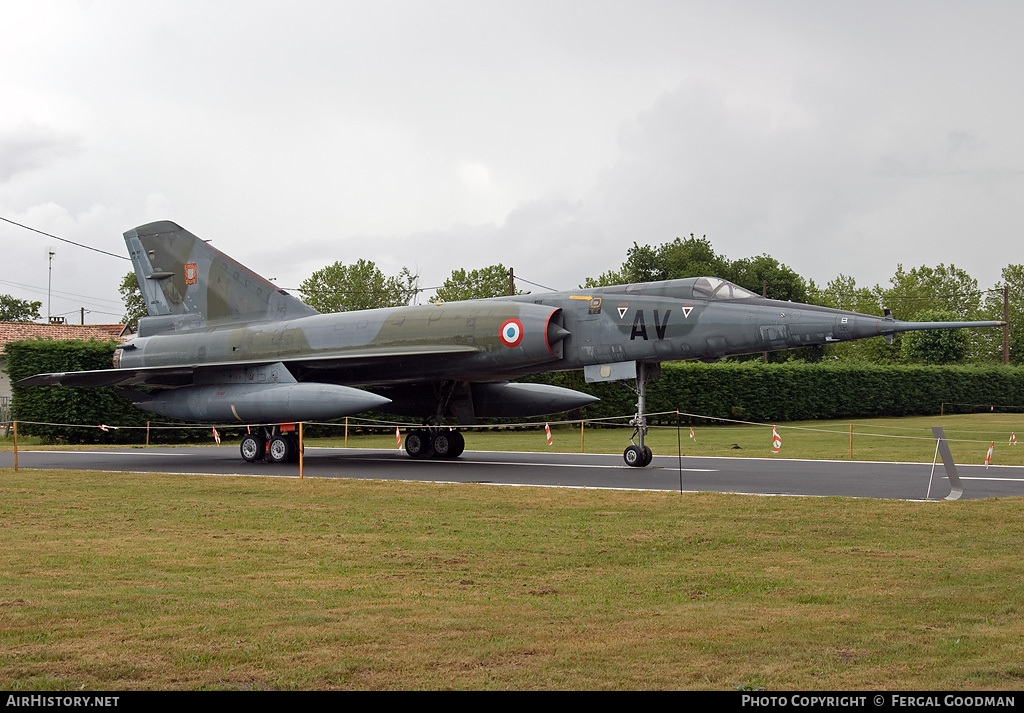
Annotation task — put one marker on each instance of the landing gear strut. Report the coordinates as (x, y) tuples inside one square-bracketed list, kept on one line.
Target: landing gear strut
[(434, 440), (638, 454)]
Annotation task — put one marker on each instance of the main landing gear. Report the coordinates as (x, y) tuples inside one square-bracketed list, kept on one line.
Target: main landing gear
[(272, 444), (638, 455), (434, 442)]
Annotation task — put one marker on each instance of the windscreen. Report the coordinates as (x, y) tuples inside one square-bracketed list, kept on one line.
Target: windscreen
[(713, 288)]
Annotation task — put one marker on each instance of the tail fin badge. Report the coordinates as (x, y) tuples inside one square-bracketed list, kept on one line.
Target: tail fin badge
[(191, 273)]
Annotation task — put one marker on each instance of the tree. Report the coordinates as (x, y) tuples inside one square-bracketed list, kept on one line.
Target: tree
[(765, 274), (611, 277), (842, 293), (931, 288), (15, 310), (1013, 279), (942, 346), (486, 282), (696, 257), (361, 285), (134, 302), (925, 289), (690, 257)]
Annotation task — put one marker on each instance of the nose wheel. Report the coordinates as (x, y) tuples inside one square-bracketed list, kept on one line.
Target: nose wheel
[(638, 456)]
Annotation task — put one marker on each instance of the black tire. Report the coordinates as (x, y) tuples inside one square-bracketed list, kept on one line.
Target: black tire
[(252, 448), (419, 444), (648, 456), (448, 445), (280, 450), (294, 456), (458, 444), (442, 444), (634, 456)]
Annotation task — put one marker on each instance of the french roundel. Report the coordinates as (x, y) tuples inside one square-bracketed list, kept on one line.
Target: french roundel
[(511, 333)]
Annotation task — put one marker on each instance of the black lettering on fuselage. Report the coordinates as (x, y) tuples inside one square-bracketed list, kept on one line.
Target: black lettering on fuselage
[(660, 327), (640, 326)]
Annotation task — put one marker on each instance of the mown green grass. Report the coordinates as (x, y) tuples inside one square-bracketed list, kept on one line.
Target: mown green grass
[(114, 581)]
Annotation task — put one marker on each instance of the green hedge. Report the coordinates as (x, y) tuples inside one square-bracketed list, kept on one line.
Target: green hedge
[(62, 405), (760, 392)]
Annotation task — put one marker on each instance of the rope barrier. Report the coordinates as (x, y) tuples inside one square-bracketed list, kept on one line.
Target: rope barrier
[(522, 425)]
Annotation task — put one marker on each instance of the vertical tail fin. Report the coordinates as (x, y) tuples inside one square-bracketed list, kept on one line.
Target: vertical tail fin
[(180, 275)]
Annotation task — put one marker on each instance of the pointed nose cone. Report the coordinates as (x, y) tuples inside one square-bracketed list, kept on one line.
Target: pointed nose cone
[(860, 326)]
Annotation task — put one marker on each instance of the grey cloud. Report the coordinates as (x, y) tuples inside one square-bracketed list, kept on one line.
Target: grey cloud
[(33, 146)]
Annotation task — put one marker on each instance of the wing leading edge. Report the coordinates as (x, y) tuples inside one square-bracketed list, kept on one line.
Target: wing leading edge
[(180, 375)]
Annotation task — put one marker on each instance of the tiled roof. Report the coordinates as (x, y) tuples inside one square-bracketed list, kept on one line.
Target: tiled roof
[(15, 331)]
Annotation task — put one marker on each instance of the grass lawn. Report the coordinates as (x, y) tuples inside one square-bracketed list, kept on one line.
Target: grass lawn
[(115, 581)]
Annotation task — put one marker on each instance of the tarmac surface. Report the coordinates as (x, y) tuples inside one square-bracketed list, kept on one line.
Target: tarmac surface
[(761, 476)]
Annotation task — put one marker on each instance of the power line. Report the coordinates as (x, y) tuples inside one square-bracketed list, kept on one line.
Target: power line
[(57, 293), (63, 240), (87, 311), (535, 284), (122, 257)]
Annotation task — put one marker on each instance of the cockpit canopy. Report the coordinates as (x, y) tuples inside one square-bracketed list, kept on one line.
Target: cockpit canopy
[(713, 288), (700, 288)]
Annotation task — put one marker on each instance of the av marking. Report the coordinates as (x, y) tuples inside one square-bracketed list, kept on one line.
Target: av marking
[(640, 326)]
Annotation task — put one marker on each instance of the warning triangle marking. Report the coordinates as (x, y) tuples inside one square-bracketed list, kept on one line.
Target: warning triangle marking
[(686, 311), (622, 312)]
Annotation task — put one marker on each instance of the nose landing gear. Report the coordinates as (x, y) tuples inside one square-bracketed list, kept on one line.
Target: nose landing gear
[(638, 455)]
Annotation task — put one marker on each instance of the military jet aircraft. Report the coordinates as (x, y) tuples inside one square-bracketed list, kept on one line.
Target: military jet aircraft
[(222, 344)]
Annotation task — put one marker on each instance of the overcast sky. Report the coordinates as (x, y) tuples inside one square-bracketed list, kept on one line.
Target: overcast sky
[(838, 137)]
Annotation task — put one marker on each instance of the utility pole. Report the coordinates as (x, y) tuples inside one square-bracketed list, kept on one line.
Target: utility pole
[(1006, 326), (511, 282), (764, 293), (49, 281)]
